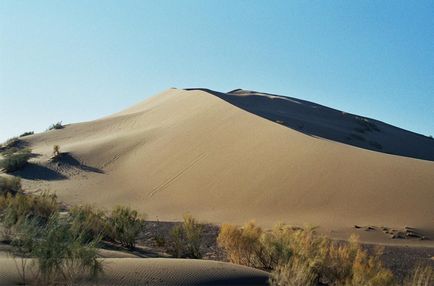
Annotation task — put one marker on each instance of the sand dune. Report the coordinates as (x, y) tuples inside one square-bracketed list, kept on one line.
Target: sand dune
[(223, 158), (158, 271)]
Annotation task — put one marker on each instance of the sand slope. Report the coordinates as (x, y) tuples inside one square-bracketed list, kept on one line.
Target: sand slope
[(158, 271), (194, 151)]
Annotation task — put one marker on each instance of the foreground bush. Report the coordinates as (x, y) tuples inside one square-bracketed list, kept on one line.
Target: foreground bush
[(36, 230), (301, 257), (125, 225), (61, 255), (186, 238), (14, 160), (9, 185)]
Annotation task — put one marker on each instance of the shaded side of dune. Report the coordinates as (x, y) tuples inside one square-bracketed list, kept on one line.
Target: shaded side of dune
[(324, 122)]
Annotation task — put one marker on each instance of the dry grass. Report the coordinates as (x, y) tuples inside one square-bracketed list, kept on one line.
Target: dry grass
[(421, 276), (302, 257)]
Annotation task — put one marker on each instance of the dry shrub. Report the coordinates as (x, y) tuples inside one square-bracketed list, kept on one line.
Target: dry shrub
[(302, 257), (296, 273), (251, 246), (331, 263), (421, 276)]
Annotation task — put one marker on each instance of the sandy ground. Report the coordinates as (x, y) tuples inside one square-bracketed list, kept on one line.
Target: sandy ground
[(223, 159), (158, 271)]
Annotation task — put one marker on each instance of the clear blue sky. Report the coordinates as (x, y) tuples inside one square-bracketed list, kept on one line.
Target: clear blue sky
[(80, 60)]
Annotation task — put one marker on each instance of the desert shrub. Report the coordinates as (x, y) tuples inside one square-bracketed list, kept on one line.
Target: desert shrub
[(296, 273), (186, 238), (57, 125), (61, 255), (332, 263), (14, 161), (88, 222), (125, 225), (22, 243), (251, 246), (56, 151), (9, 185), (11, 142), (15, 209), (299, 256), (421, 276), (242, 245), (27, 133)]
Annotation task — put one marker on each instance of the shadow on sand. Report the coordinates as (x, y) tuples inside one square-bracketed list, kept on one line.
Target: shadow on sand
[(37, 172), (66, 159)]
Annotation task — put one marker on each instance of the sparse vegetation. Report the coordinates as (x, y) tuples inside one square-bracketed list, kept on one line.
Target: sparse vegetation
[(186, 238), (27, 133), (11, 142), (15, 209), (57, 125), (14, 159), (9, 185), (301, 257), (125, 225)]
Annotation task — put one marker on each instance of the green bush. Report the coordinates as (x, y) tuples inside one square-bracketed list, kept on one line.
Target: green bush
[(63, 252), (63, 255), (57, 125), (9, 185), (88, 222), (14, 161), (27, 133), (125, 225), (186, 238), (11, 142), (15, 209)]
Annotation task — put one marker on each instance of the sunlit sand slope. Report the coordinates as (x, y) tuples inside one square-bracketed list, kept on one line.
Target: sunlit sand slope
[(192, 151)]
